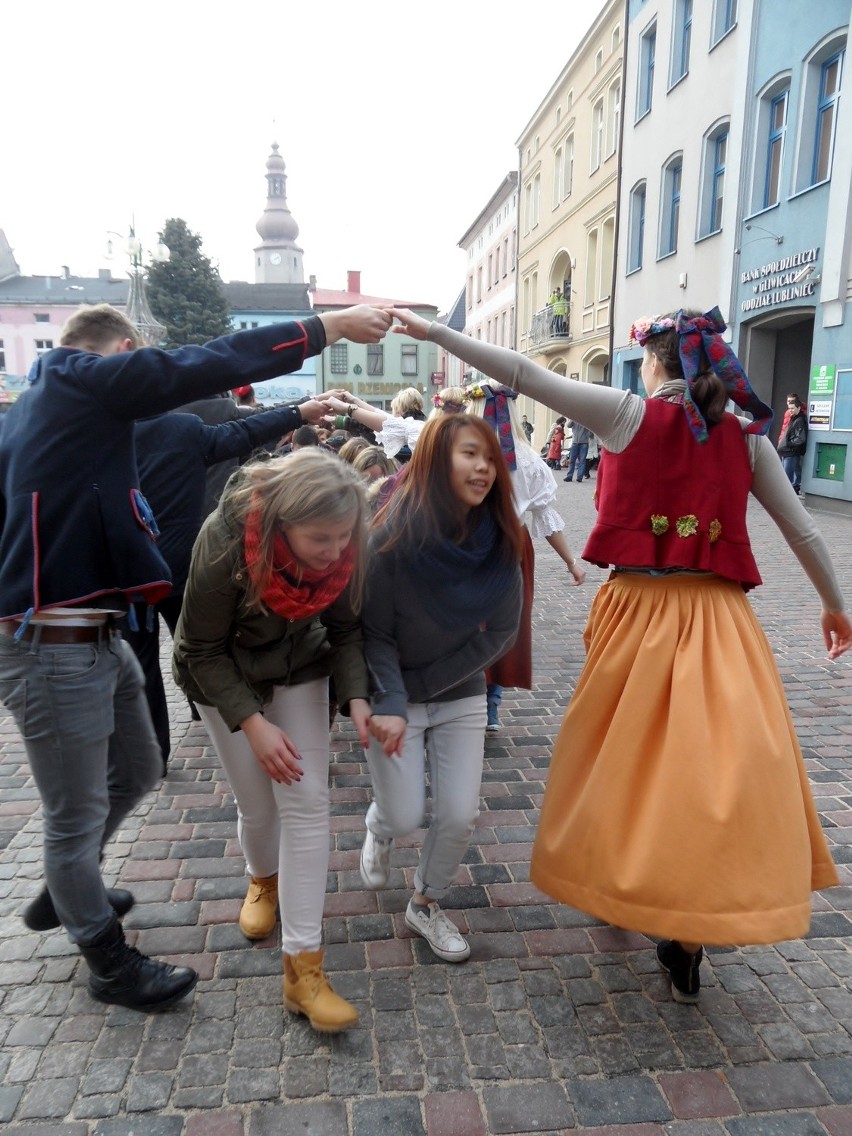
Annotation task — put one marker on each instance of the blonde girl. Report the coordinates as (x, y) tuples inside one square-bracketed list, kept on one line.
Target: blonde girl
[(270, 611)]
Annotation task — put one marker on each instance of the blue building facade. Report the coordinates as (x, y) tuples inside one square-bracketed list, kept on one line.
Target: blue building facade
[(791, 300)]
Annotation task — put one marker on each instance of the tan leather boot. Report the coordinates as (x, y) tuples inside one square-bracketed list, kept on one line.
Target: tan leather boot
[(307, 991), (260, 907)]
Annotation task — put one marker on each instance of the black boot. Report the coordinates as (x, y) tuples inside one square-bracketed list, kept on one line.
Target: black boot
[(122, 975), (40, 915)]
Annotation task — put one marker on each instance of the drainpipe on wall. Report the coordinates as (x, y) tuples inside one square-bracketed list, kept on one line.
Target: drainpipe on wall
[(617, 229)]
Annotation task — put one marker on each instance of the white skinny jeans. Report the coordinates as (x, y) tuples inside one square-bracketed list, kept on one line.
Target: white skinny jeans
[(451, 735), (285, 828)]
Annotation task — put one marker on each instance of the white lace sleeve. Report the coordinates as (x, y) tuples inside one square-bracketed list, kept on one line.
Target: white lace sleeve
[(535, 492), (398, 432)]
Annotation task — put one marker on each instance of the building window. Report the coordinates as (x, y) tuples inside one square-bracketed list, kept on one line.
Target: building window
[(490, 276), (636, 227), (375, 359), (479, 284), (819, 105), (506, 257), (672, 174), (569, 100), (409, 359), (558, 177), (469, 293), (597, 133), (607, 255), (339, 358), (41, 317), (536, 200), (598, 59), (681, 40), (591, 267), (713, 180), (613, 118), (528, 194), (2, 357), (826, 119), (497, 265), (647, 57), (43, 345), (616, 37), (724, 18), (569, 165), (775, 148)]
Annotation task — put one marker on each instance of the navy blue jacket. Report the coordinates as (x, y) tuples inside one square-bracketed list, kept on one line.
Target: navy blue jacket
[(71, 531), (174, 452)]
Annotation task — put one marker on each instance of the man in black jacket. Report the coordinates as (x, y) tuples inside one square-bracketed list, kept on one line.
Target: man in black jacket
[(76, 547), (794, 441)]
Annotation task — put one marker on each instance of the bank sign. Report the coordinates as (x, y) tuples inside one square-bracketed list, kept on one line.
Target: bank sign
[(780, 281)]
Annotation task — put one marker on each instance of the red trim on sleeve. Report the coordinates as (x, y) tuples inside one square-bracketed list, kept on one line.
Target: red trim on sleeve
[(303, 339), (36, 553)]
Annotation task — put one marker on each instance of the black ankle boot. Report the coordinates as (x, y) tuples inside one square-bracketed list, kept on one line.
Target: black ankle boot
[(122, 975), (40, 915)]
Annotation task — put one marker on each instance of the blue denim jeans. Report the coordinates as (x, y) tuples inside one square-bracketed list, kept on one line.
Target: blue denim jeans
[(82, 714), (577, 456), (793, 468)]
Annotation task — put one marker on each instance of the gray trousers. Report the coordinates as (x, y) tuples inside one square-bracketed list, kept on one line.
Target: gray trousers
[(81, 711), (451, 737)]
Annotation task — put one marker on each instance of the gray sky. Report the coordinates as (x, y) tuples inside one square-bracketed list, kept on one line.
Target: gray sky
[(396, 123)]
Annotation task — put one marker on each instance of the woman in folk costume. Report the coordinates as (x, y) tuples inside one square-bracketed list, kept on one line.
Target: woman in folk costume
[(677, 803), (534, 489), (270, 611)]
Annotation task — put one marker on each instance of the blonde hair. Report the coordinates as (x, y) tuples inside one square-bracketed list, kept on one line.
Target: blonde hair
[(310, 486), (457, 395), (407, 399), (477, 406), (371, 456), (350, 450), (96, 327)]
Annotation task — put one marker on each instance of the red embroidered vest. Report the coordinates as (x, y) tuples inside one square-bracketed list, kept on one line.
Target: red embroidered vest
[(668, 501)]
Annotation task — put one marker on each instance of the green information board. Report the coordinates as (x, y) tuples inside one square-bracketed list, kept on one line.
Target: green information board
[(822, 380)]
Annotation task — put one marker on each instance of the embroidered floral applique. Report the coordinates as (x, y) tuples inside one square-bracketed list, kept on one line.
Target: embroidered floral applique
[(659, 524), (715, 531), (687, 525)]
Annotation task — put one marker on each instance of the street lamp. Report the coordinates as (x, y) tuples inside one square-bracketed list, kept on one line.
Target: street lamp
[(137, 310)]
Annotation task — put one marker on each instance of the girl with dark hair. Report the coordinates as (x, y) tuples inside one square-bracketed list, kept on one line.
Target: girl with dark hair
[(443, 602), (678, 803)]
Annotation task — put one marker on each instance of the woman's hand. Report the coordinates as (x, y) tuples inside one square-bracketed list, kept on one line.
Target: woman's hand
[(390, 731), (837, 632), (359, 712), (410, 324), (578, 573), (274, 751)]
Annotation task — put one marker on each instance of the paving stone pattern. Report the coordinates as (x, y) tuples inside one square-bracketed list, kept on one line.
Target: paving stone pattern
[(557, 1023)]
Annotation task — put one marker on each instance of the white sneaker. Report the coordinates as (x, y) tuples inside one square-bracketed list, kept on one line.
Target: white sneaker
[(439, 931), (492, 728), (375, 861)]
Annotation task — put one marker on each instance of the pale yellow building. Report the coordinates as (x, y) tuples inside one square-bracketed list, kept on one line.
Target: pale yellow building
[(567, 213)]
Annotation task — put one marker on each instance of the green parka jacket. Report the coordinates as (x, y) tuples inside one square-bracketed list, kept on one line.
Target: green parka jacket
[(229, 656)]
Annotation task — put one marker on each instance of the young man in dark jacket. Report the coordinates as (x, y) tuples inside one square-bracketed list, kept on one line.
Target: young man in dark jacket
[(794, 441), (76, 548)]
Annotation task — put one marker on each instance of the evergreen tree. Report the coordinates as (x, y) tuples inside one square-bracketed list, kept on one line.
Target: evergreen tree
[(185, 293)]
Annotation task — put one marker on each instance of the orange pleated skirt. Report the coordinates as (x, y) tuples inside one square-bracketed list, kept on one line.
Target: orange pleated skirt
[(677, 802)]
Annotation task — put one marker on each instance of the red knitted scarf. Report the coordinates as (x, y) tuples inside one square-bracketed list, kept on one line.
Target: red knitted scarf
[(294, 590)]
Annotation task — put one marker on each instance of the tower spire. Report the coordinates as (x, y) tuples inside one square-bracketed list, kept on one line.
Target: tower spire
[(277, 259)]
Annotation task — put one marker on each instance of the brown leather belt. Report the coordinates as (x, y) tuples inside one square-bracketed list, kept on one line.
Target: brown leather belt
[(55, 633)]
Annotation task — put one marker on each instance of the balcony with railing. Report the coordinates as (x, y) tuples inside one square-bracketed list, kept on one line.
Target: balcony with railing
[(548, 330)]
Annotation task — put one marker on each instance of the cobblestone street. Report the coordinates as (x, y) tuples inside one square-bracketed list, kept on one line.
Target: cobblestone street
[(556, 1023)]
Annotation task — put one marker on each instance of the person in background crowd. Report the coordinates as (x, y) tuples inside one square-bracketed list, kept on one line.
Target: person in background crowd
[(245, 396), (580, 438), (555, 444), (396, 432), (528, 428), (793, 442)]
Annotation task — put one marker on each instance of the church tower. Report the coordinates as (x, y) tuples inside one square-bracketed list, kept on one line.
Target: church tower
[(277, 259)]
